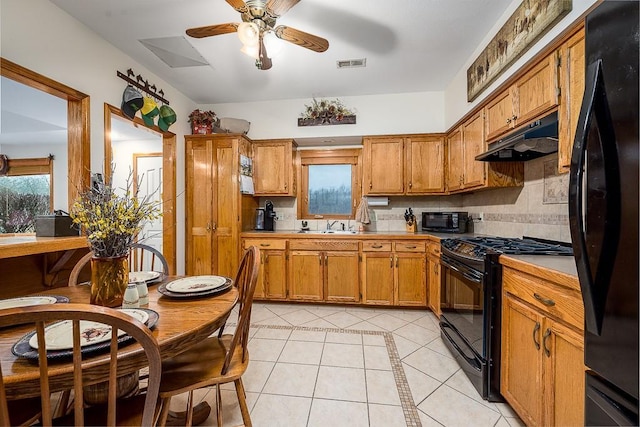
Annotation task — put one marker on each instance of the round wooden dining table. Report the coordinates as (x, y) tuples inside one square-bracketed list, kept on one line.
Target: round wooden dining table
[(182, 323)]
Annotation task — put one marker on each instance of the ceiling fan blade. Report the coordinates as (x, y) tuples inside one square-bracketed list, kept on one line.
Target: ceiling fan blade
[(212, 30), (238, 5), (280, 7), (309, 41), (264, 60)]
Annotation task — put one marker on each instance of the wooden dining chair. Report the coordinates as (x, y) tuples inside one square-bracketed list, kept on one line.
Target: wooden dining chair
[(141, 258), (139, 410), (218, 359)]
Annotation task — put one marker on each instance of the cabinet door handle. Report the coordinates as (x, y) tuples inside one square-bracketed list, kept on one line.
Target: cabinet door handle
[(208, 226), (410, 185), (546, 301), (391, 263), (396, 262), (546, 336), (265, 244), (535, 331), (376, 246), (370, 186), (514, 117), (508, 121)]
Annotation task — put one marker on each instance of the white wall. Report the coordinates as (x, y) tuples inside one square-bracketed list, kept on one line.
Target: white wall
[(419, 112), (456, 104), (41, 37)]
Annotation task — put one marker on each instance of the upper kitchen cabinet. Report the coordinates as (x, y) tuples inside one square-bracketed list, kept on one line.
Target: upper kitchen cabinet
[(530, 96), (465, 173), (273, 168), (572, 64), (425, 159), (404, 164), (383, 165)]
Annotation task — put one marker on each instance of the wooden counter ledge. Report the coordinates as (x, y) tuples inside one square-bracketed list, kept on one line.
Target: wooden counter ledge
[(15, 245)]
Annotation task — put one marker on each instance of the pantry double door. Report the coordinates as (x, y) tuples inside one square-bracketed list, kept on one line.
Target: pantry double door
[(214, 204)]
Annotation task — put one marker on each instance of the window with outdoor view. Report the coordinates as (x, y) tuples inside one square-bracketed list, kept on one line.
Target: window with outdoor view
[(25, 192), (329, 183)]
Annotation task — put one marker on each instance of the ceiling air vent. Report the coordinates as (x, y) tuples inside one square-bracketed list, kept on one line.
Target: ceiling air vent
[(352, 63)]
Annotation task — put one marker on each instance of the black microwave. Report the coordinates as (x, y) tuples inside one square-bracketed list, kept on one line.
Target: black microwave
[(445, 222)]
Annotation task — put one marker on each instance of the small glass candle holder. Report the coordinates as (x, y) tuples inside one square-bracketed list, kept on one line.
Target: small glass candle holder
[(131, 299), (143, 293)]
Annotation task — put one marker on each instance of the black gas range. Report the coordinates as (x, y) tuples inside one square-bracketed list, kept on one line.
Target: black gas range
[(471, 301)]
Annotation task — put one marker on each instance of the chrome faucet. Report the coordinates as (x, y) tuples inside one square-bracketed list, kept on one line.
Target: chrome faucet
[(330, 224)]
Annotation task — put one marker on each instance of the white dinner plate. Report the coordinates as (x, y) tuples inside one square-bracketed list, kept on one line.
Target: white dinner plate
[(59, 336), (27, 301), (143, 276), (196, 284)]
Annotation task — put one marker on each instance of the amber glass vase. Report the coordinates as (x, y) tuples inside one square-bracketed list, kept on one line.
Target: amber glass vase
[(109, 279)]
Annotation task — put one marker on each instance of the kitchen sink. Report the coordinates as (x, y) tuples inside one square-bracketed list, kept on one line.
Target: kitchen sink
[(328, 232)]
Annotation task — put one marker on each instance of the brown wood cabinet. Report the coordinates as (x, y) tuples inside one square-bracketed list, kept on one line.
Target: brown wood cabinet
[(324, 270), (404, 164), (383, 165), (425, 160), (216, 212), (394, 274), (542, 356), (465, 173), (572, 61), (273, 167), (272, 275), (434, 281), (530, 96)]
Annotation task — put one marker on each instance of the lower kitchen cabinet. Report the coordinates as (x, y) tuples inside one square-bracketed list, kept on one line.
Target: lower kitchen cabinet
[(542, 357), (272, 275), (324, 270), (434, 281), (342, 276), (397, 277), (305, 275)]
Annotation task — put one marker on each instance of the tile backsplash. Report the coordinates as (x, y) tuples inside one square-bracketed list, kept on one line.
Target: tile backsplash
[(538, 209)]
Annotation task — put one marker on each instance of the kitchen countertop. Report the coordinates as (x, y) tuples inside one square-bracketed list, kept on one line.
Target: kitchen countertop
[(557, 268), (358, 235)]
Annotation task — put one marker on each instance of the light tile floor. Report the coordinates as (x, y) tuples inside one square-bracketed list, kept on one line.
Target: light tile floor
[(318, 365)]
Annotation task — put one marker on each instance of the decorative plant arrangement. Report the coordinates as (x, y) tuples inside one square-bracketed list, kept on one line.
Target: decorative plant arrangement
[(326, 112), (202, 122), (111, 222)]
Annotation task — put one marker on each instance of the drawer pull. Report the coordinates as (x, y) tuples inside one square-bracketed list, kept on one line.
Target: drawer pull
[(535, 330), (265, 244), (546, 301), (546, 336), (411, 247), (376, 246)]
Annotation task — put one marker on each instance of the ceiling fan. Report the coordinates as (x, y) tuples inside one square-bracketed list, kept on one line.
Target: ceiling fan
[(259, 18)]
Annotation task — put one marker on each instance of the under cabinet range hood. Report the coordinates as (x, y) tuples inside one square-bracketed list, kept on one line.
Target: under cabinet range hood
[(534, 140)]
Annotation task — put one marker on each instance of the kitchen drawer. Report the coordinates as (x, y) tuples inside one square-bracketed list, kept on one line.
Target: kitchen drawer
[(434, 249), (556, 301), (266, 244), (376, 246), (323, 245), (412, 246)]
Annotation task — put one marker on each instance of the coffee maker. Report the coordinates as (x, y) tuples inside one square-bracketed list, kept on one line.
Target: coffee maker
[(269, 216), (265, 217)]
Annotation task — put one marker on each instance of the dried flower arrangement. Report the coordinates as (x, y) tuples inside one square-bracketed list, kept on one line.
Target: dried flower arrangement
[(112, 221), (326, 110)]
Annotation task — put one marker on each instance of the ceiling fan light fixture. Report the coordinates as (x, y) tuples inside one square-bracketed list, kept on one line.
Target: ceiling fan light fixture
[(252, 51), (248, 33)]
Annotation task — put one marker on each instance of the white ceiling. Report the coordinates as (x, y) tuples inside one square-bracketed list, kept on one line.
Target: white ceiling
[(409, 45)]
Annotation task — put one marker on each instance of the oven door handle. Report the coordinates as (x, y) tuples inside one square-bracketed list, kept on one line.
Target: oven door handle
[(464, 274), (471, 361), (474, 279)]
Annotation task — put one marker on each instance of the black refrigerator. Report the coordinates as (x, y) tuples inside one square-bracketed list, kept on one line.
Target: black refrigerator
[(603, 212)]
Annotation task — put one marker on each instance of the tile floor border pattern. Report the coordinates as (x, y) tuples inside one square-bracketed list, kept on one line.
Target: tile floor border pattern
[(404, 392)]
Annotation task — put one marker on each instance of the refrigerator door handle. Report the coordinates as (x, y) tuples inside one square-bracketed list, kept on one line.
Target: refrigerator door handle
[(594, 125)]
